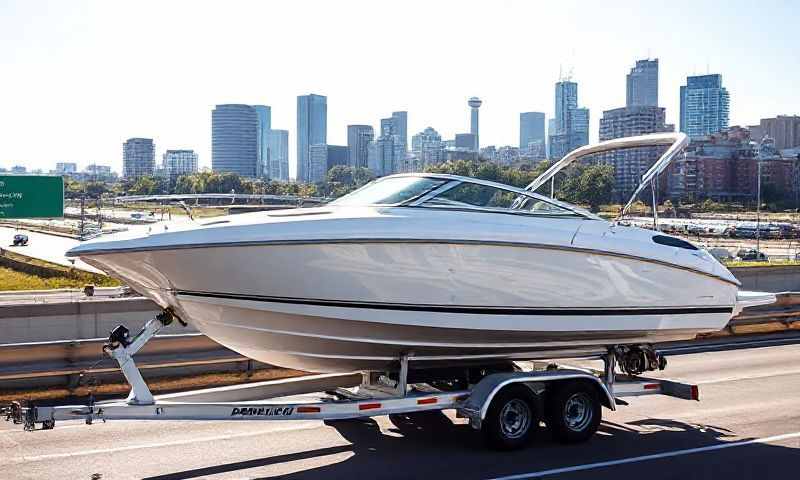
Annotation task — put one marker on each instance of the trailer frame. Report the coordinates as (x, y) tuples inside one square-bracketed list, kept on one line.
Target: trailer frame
[(376, 394)]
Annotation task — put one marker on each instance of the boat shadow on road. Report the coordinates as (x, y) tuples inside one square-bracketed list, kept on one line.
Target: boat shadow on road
[(430, 445)]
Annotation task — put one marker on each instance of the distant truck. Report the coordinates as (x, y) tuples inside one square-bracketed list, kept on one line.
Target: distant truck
[(20, 240)]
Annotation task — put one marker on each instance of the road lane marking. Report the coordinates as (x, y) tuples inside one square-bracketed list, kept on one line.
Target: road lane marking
[(83, 453), (645, 458)]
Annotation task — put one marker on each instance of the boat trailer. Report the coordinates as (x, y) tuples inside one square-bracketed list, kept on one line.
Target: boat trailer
[(507, 406)]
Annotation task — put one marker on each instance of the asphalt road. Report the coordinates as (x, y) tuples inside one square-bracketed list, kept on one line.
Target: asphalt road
[(46, 247), (746, 426), (52, 248)]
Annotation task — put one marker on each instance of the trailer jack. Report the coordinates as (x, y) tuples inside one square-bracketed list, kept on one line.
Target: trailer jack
[(122, 348)]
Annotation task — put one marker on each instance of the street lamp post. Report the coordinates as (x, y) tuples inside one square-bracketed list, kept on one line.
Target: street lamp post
[(758, 213)]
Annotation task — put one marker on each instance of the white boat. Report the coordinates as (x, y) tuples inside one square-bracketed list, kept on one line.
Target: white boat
[(439, 268)]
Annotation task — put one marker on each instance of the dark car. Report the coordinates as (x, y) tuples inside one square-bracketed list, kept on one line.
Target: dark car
[(20, 240), (751, 254)]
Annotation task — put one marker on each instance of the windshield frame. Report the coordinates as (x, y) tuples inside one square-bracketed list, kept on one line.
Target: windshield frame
[(452, 181)]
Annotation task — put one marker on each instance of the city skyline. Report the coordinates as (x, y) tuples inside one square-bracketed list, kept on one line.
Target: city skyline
[(116, 103)]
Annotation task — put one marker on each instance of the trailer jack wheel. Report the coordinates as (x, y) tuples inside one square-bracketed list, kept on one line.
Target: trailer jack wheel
[(574, 411), (512, 418)]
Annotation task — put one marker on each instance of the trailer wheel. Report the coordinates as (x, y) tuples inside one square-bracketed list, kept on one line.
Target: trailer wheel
[(574, 411), (512, 418)]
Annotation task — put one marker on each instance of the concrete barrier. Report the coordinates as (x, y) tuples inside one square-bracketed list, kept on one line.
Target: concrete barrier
[(769, 278), (26, 323)]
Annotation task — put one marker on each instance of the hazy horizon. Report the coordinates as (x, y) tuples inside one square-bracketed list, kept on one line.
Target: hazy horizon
[(79, 78)]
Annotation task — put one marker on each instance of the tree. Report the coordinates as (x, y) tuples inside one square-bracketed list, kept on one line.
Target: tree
[(145, 185), (343, 179), (95, 189), (595, 185)]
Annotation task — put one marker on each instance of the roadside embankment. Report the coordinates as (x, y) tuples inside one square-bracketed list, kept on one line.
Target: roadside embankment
[(40, 269)]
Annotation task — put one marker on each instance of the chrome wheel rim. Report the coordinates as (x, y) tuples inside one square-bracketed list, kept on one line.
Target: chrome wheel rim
[(515, 418), (578, 412)]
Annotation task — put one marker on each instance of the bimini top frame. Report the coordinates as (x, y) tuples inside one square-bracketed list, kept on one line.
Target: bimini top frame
[(676, 141)]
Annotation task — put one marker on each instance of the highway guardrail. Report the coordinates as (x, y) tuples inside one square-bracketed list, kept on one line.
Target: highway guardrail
[(70, 363)]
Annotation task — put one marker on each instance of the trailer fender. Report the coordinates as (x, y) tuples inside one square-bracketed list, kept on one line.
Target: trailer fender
[(476, 406)]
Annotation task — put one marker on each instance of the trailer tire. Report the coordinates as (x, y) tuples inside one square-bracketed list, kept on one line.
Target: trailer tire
[(512, 418), (574, 411)]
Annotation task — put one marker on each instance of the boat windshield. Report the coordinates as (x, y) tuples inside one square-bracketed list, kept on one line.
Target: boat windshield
[(390, 191), (488, 197)]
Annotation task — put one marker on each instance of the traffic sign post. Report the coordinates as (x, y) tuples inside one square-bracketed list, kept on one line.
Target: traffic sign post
[(31, 196)]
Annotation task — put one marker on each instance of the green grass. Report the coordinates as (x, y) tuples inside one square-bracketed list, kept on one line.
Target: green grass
[(772, 263), (14, 280), (63, 277)]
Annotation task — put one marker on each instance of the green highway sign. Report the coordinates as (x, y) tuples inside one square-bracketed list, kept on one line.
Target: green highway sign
[(31, 196)]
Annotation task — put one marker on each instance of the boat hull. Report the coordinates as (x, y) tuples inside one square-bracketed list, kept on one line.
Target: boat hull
[(359, 305), (266, 332)]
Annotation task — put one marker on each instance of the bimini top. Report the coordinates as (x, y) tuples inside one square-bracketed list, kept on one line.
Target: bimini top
[(456, 193)]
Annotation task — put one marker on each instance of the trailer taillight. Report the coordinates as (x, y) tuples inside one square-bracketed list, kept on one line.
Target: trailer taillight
[(308, 410)]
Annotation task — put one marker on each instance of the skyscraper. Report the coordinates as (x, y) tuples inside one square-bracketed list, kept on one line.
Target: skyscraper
[(474, 104), (397, 124), (531, 128), (571, 123), (323, 158), (279, 155), (312, 129), (428, 147), (138, 157), (401, 126), (386, 155), (580, 128), (337, 155), (235, 139), (642, 84), (704, 105), (631, 163), (317, 163), (566, 102), (179, 162), (358, 138), (465, 141), (784, 129), (264, 126)]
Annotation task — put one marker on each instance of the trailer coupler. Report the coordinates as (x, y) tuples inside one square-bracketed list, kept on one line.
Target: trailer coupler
[(19, 415)]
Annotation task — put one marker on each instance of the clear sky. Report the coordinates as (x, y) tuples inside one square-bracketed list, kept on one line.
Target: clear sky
[(78, 78)]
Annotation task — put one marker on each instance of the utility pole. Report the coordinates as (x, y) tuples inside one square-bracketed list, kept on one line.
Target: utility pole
[(100, 211), (82, 223)]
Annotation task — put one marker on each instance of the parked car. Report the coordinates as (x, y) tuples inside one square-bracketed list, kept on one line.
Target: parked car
[(751, 254), (20, 240)]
